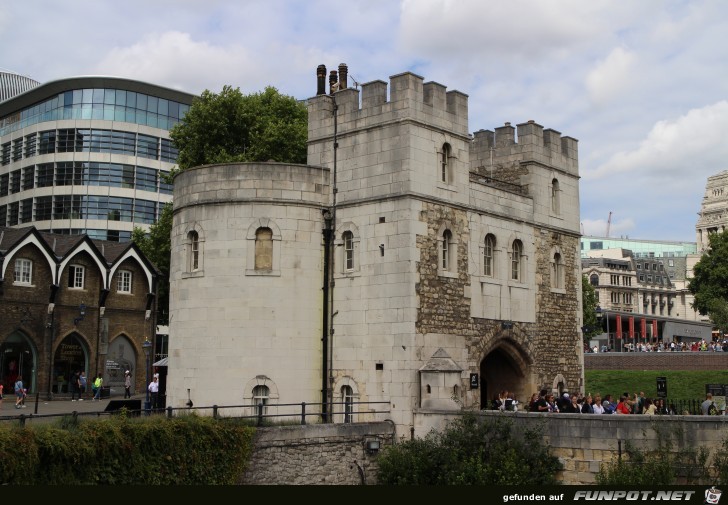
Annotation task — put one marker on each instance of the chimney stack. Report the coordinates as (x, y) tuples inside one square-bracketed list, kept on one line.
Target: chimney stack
[(343, 73), (321, 80), (333, 85)]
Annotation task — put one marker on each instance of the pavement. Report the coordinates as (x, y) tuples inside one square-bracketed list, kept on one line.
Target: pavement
[(58, 407)]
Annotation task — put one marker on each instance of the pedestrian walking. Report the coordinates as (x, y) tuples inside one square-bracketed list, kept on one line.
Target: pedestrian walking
[(127, 384), (98, 383), (74, 386), (19, 394), (81, 385), (154, 392)]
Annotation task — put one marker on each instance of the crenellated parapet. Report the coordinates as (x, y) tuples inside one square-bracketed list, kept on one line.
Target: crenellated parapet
[(508, 146), (409, 98)]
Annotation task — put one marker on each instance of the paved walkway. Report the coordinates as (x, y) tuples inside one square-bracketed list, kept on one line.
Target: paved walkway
[(36, 406)]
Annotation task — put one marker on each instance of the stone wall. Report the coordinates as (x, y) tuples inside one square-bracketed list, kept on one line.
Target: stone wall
[(331, 454), (584, 442), (335, 454), (657, 361)]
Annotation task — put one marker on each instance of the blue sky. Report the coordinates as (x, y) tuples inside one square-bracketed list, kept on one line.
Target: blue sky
[(642, 85)]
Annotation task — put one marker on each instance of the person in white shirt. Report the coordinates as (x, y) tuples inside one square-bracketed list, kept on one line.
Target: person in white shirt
[(153, 392)]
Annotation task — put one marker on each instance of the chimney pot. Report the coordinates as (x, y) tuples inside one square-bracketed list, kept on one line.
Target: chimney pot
[(343, 73), (333, 78), (321, 80)]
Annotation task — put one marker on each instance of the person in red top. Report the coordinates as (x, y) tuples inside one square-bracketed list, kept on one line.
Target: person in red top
[(622, 406)]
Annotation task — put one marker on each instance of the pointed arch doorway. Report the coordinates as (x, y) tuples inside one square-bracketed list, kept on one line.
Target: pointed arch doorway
[(17, 360), (71, 356), (505, 368)]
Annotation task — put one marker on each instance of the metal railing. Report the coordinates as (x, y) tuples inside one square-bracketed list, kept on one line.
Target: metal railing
[(299, 413)]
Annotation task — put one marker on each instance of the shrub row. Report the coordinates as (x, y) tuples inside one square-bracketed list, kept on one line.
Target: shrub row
[(121, 451)]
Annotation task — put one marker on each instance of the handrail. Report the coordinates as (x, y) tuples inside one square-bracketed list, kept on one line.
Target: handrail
[(259, 409)]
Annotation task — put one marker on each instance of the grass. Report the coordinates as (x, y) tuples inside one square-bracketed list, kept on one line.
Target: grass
[(682, 384)]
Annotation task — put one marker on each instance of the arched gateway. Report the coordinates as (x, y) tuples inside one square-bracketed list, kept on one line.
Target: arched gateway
[(505, 368)]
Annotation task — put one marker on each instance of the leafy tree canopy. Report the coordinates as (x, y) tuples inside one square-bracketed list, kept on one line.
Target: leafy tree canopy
[(709, 284), (156, 246), (232, 127), (589, 304)]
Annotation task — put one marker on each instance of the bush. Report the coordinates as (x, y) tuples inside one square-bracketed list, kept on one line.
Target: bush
[(663, 466), (122, 451), (470, 451)]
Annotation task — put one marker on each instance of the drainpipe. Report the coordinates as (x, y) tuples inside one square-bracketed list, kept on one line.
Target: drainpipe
[(51, 325), (327, 233)]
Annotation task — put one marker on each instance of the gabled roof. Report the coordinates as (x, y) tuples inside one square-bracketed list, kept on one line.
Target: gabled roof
[(441, 362), (60, 249)]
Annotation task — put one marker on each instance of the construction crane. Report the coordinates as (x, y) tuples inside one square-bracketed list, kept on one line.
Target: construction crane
[(609, 223)]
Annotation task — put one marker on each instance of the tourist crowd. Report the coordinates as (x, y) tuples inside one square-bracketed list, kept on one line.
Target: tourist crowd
[(702, 346), (545, 402)]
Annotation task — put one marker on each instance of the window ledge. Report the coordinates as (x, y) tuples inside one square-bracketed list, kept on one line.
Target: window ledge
[(447, 273), (560, 291), (263, 273), (23, 284), (196, 273), (348, 274)]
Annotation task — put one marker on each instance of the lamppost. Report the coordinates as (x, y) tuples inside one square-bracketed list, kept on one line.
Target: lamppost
[(147, 347), (598, 310)]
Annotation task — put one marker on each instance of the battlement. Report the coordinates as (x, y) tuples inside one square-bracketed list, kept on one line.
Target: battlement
[(409, 98), (534, 143)]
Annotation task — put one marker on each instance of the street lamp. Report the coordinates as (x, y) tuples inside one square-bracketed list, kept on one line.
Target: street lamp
[(147, 347), (81, 314)]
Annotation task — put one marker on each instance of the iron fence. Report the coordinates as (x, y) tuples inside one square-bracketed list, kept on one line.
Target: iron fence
[(261, 414)]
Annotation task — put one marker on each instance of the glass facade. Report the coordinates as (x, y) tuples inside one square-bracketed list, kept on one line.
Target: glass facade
[(107, 104), (640, 248), (51, 174)]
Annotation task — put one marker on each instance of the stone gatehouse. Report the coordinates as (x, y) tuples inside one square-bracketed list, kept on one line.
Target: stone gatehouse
[(410, 263)]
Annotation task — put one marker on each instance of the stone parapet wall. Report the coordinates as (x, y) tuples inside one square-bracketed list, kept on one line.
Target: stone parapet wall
[(331, 454), (335, 454), (584, 442), (656, 361)]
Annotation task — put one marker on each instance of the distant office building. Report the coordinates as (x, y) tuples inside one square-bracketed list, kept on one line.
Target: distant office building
[(88, 155), (639, 248), (12, 84), (639, 302)]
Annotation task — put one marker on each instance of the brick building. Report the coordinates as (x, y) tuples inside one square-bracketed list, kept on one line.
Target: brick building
[(69, 303)]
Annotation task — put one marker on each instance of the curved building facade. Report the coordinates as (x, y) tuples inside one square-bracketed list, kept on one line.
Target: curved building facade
[(12, 84), (88, 155)]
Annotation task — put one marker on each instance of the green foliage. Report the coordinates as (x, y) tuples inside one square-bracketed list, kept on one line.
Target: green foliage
[(473, 452), (156, 246), (589, 304), (720, 463), (232, 127), (674, 461), (681, 384), (709, 283), (121, 451)]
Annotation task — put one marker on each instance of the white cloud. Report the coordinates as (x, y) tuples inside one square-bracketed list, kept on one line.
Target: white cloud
[(694, 142), (612, 76)]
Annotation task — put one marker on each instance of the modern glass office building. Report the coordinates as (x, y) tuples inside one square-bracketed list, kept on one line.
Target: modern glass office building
[(88, 155), (640, 248)]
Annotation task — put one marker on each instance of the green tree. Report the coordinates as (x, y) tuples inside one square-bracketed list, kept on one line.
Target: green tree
[(230, 127), (709, 284), (156, 246), (589, 302)]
